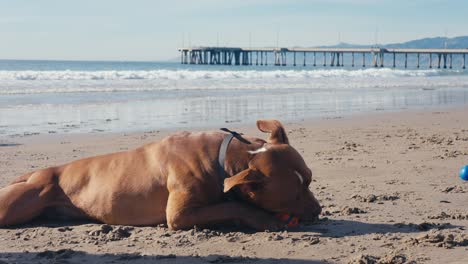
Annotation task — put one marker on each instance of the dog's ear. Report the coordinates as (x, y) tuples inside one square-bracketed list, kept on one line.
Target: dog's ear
[(276, 130), (249, 178)]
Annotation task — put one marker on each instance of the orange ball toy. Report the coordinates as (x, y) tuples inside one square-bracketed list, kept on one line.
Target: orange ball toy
[(291, 221)]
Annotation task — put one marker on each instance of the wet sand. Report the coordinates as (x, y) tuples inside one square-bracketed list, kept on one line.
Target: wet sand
[(388, 183)]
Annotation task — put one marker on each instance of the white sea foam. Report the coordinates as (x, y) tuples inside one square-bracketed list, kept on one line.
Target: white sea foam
[(68, 81), (205, 74)]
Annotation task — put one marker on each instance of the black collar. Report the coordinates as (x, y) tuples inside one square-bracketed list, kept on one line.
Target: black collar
[(223, 151)]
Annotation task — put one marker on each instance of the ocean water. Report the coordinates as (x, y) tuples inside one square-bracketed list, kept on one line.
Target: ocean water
[(89, 97)]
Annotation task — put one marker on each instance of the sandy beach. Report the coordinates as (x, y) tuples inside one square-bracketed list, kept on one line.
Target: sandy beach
[(388, 183)]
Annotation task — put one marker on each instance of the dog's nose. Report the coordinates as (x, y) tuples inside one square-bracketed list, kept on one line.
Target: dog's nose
[(312, 213), (312, 209)]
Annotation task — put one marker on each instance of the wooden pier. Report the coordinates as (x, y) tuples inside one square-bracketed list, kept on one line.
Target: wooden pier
[(437, 58)]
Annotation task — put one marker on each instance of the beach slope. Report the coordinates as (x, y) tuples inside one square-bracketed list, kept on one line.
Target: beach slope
[(388, 182)]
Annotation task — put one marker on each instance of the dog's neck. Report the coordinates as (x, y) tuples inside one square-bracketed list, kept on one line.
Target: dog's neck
[(239, 154)]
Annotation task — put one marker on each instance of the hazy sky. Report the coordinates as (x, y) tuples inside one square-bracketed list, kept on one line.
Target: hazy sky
[(152, 30)]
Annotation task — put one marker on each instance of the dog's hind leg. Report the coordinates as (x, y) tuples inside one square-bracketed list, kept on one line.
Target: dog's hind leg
[(24, 200)]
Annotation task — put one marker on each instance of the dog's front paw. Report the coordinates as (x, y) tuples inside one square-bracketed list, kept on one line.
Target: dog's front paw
[(274, 225), (263, 222)]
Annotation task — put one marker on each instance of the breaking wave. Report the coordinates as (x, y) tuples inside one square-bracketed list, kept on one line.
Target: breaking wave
[(205, 74), (71, 81)]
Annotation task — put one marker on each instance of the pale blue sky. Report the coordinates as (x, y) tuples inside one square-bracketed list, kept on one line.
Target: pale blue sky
[(152, 30)]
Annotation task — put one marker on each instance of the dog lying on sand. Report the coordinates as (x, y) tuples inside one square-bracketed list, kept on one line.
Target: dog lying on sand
[(186, 179)]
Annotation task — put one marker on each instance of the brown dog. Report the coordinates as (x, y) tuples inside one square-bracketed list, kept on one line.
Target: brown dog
[(175, 181)]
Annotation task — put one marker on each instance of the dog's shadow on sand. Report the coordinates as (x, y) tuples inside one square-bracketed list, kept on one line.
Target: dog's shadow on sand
[(67, 255), (343, 228), (335, 228)]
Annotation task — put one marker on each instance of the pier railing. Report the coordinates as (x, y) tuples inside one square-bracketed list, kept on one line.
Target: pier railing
[(440, 58)]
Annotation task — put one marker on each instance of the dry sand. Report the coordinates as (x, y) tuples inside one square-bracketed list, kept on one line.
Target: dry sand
[(388, 183)]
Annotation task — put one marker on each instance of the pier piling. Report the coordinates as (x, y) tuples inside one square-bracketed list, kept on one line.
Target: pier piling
[(381, 59), (374, 59), (464, 60), (406, 60)]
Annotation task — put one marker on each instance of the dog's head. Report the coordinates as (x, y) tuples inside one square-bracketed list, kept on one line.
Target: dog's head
[(277, 179)]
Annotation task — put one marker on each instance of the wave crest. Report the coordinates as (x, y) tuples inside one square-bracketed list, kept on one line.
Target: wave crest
[(216, 74)]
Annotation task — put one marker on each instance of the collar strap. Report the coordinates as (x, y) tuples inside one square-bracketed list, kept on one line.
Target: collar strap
[(223, 151), (236, 135), (222, 157)]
